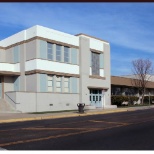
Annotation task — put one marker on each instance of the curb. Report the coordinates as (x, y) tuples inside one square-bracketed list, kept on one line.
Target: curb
[(60, 116)]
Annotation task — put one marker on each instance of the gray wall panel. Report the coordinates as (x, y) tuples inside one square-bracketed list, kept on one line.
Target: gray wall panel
[(9, 55), (84, 56), (31, 50), (39, 102), (22, 67), (31, 82), (2, 55)]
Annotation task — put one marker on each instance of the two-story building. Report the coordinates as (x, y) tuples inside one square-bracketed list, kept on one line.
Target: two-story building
[(42, 69)]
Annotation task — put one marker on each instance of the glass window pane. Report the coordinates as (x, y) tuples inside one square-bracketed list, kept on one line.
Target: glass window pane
[(50, 56), (66, 59), (58, 89), (95, 64), (66, 79), (66, 90), (66, 54), (58, 58), (50, 89), (58, 84), (93, 98), (65, 84), (58, 78), (96, 98), (50, 45), (50, 51), (58, 47), (50, 83), (58, 53), (66, 48), (50, 77)]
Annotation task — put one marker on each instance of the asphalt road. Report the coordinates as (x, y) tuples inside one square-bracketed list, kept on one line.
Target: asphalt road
[(132, 130)]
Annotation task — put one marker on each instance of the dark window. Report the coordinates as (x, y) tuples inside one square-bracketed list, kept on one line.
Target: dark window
[(93, 98), (95, 63), (96, 98)]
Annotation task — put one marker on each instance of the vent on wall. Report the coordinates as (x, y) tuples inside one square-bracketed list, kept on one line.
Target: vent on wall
[(50, 104), (67, 104)]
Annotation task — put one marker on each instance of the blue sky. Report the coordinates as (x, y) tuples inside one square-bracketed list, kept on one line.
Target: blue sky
[(129, 27)]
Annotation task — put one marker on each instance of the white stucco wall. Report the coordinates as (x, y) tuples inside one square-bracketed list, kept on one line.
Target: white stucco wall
[(39, 102), (50, 34), (51, 66), (101, 72), (95, 43), (10, 67)]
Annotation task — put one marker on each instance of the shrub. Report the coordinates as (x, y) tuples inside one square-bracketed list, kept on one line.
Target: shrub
[(118, 99), (133, 99), (146, 99)]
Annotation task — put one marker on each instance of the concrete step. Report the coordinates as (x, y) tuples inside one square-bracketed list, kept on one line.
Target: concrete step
[(5, 107)]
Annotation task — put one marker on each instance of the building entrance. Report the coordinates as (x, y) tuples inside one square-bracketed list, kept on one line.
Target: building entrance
[(96, 97)]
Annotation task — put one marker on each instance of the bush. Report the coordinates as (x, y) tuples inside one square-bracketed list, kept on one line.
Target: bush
[(133, 99), (117, 100), (146, 99)]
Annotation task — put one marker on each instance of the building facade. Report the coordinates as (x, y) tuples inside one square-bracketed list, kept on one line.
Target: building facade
[(124, 85), (47, 70)]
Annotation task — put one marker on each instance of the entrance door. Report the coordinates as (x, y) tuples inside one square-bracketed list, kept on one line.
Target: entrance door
[(96, 97)]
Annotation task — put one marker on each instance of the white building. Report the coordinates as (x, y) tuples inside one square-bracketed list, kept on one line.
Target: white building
[(47, 70)]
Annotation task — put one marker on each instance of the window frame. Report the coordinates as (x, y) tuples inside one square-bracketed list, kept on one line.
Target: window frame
[(60, 53), (66, 56), (51, 49)]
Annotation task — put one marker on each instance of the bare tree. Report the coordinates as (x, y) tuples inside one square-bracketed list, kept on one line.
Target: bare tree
[(142, 70)]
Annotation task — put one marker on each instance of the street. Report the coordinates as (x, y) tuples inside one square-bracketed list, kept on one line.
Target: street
[(132, 130)]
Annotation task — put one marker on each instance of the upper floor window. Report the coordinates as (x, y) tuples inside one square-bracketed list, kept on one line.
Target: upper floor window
[(66, 54), (58, 52), (50, 51), (95, 63)]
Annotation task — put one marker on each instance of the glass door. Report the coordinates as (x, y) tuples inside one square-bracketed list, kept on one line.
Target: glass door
[(96, 97)]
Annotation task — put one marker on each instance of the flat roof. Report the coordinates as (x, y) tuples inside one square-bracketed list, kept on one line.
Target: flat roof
[(91, 37), (124, 81)]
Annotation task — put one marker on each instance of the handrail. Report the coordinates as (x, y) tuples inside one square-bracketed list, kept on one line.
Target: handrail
[(11, 99)]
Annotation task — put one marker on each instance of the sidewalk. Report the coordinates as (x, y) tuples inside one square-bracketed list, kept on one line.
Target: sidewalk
[(18, 117)]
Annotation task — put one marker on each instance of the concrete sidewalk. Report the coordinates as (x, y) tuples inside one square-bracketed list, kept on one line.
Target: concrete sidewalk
[(19, 117)]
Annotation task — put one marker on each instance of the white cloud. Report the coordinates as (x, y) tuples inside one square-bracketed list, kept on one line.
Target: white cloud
[(128, 25)]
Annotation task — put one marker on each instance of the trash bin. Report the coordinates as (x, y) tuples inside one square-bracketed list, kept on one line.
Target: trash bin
[(81, 107)]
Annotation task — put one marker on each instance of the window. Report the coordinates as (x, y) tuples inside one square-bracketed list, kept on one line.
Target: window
[(66, 84), (66, 54), (95, 63), (16, 54), (50, 51), (50, 83), (58, 84), (74, 55), (58, 53)]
